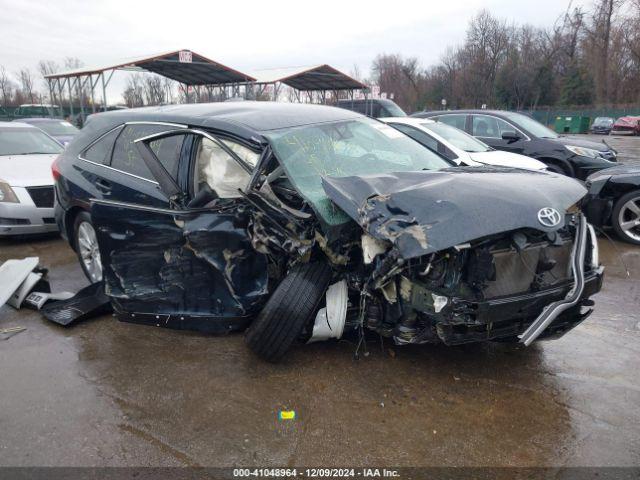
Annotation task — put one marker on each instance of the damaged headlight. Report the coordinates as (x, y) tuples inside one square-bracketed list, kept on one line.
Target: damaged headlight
[(583, 152), (7, 194)]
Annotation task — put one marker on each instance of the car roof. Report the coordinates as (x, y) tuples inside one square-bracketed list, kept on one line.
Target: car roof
[(407, 120), (16, 125), (382, 101), (253, 117), (466, 111), (38, 120)]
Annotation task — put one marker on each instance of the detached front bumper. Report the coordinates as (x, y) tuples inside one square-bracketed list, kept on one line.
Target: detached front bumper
[(25, 217)]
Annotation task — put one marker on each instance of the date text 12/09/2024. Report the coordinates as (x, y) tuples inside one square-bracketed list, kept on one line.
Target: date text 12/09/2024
[(316, 472)]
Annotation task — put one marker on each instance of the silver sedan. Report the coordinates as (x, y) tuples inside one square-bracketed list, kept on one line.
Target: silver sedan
[(26, 181)]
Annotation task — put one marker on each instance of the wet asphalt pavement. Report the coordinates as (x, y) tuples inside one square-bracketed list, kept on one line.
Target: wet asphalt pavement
[(111, 393)]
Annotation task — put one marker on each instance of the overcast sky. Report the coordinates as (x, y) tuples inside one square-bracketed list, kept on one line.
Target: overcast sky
[(247, 34)]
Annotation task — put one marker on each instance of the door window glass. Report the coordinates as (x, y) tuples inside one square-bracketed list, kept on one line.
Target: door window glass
[(100, 152), (490, 127), (127, 158), (457, 121), (216, 168)]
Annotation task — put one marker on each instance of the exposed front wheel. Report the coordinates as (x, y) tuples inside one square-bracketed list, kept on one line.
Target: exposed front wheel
[(292, 306), (86, 243), (625, 218)]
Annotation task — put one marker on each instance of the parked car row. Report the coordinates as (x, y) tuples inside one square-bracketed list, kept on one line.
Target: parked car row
[(459, 147), (518, 133), (628, 125)]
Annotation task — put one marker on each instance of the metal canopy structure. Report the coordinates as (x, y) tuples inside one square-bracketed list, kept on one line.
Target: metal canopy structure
[(320, 77), (183, 66), (317, 78), (194, 70)]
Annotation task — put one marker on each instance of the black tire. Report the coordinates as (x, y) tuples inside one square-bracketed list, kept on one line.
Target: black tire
[(82, 217), (292, 306), (615, 216)]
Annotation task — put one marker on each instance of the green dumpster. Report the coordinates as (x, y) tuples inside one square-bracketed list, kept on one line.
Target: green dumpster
[(572, 124)]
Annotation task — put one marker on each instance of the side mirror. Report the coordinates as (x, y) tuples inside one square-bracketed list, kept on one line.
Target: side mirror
[(511, 136)]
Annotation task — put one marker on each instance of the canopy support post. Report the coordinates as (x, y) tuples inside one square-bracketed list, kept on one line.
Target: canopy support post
[(70, 97), (104, 93)]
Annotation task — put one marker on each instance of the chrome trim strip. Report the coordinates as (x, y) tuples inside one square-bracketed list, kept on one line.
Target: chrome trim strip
[(553, 310), (115, 203), (214, 139), (117, 127), (119, 171), (168, 124)]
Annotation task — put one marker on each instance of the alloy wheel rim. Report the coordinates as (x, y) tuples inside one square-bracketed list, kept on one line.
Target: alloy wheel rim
[(89, 252), (629, 218)]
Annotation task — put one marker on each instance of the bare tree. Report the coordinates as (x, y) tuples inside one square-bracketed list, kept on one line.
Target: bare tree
[(133, 94), (6, 87), (598, 43), (399, 76), (169, 87), (47, 67), (153, 89), (26, 84)]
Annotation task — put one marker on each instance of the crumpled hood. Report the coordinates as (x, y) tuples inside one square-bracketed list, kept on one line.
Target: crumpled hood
[(427, 211)]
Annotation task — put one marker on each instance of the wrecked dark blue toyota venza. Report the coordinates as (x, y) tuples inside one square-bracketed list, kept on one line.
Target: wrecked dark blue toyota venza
[(303, 222)]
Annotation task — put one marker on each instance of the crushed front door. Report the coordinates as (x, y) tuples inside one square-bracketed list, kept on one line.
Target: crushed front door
[(179, 267)]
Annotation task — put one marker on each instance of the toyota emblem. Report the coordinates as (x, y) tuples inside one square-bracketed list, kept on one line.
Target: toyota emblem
[(549, 217)]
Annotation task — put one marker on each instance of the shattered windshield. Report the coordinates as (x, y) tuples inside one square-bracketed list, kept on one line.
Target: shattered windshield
[(345, 148)]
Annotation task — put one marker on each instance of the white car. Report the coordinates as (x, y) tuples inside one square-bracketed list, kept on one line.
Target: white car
[(458, 146), (26, 181)]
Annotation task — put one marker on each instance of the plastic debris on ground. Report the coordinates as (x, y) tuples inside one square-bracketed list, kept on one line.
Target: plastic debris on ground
[(89, 302)]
